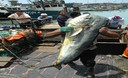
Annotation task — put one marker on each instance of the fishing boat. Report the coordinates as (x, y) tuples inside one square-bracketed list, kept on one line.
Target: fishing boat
[(3, 11), (36, 7)]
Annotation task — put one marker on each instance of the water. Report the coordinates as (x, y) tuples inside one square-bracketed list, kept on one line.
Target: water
[(122, 13)]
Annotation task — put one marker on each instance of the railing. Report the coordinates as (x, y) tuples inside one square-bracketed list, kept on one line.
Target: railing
[(12, 23)]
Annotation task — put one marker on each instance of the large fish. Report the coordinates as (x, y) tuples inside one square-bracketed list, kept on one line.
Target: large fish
[(86, 29)]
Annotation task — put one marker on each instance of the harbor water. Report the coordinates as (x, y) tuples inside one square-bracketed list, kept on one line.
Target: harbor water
[(123, 13)]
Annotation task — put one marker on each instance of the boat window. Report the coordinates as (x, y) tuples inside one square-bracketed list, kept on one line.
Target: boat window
[(9, 8), (14, 8), (2, 8), (54, 5), (59, 5), (38, 6), (47, 6), (18, 8)]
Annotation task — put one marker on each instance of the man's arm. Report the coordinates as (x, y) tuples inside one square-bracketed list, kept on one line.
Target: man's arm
[(58, 32), (120, 26), (22, 18), (52, 34), (39, 18), (11, 16), (104, 31)]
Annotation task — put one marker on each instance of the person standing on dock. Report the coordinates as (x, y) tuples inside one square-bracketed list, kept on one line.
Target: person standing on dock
[(125, 53), (22, 18), (116, 22), (125, 35), (88, 56), (61, 19)]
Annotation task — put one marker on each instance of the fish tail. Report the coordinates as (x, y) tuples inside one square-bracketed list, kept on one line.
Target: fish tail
[(56, 66), (47, 66)]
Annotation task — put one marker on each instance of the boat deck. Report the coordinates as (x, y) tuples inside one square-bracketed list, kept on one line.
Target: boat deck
[(107, 65)]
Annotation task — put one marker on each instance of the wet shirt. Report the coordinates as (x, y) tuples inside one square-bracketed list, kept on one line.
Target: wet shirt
[(61, 20), (24, 15)]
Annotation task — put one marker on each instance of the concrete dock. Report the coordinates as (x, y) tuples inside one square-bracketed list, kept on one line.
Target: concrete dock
[(108, 65)]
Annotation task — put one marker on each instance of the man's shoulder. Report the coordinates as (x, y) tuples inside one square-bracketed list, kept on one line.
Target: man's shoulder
[(12, 15), (60, 16), (49, 17), (39, 18)]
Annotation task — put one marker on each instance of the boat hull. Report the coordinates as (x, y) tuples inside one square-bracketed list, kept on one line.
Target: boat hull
[(4, 15), (36, 13)]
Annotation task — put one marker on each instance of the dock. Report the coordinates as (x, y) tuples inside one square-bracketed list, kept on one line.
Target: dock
[(4, 61), (107, 66), (109, 63)]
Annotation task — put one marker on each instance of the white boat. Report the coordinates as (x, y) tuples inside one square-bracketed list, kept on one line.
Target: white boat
[(3, 11), (36, 7)]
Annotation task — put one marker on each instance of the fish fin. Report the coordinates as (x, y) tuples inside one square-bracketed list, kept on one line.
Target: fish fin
[(77, 32)]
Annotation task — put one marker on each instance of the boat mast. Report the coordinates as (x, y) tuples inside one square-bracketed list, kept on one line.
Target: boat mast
[(1, 4), (38, 3), (42, 3)]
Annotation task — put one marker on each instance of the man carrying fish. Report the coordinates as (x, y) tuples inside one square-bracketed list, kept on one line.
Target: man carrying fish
[(81, 33)]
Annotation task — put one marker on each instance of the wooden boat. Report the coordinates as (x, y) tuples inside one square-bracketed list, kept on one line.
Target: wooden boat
[(114, 46)]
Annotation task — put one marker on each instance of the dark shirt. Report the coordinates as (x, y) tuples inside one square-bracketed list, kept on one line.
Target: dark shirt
[(61, 20), (25, 25)]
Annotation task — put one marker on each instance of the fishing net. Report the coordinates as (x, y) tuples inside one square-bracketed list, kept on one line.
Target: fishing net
[(18, 40)]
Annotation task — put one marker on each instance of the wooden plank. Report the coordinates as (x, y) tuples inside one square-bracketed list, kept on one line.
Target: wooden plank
[(113, 43), (48, 49), (4, 61), (47, 44), (50, 26)]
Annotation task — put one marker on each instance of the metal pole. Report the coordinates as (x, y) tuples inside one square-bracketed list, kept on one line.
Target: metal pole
[(28, 66)]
